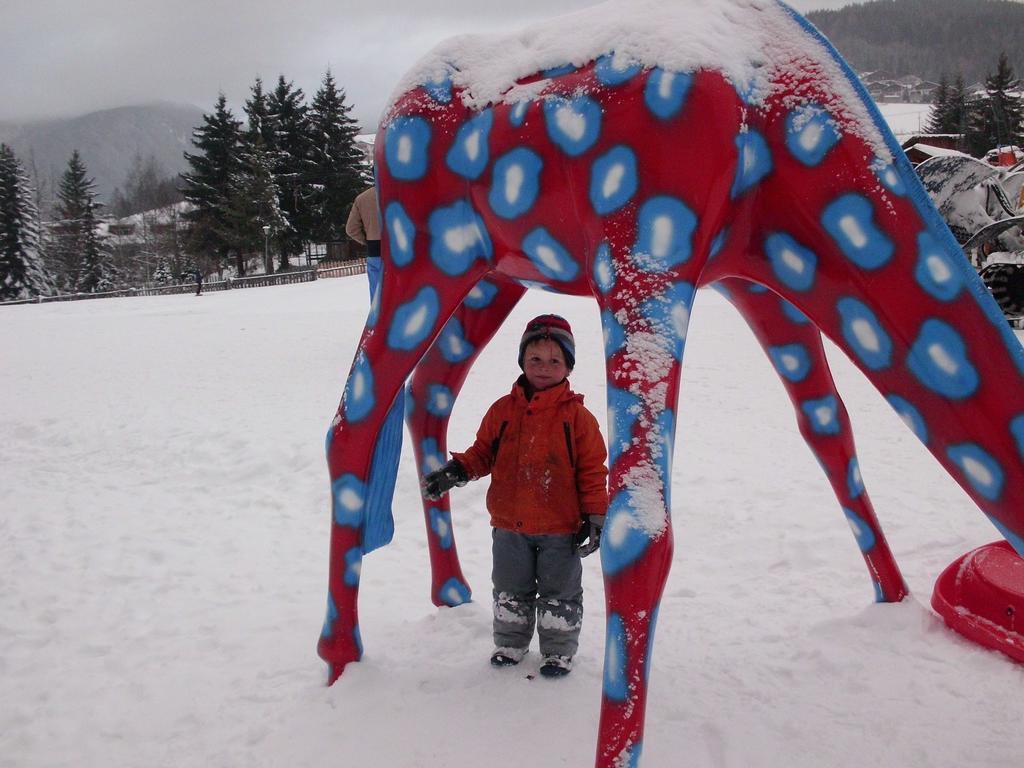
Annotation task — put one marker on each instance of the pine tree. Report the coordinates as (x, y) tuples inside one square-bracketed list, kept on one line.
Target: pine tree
[(252, 204), (261, 122), (949, 112), (337, 170), (997, 118), (958, 110), (81, 254), (23, 273), (937, 122), (208, 184), (291, 120)]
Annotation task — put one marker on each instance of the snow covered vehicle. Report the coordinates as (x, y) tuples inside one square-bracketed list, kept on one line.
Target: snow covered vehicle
[(984, 207)]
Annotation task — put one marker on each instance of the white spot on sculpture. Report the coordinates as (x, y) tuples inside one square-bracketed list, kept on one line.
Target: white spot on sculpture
[(548, 257), (789, 362), (404, 149), (570, 122), (458, 239), (513, 182), (810, 136), (942, 359), (823, 414), (665, 86), (749, 159), (865, 334), (938, 268), (399, 233), (616, 530), (350, 500), (680, 316), (613, 180), (662, 239), (793, 260), (978, 472), (472, 145), (851, 227), (414, 325), (455, 345)]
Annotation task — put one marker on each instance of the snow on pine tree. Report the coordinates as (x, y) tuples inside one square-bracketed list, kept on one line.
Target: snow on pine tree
[(82, 257), (23, 273), (337, 171)]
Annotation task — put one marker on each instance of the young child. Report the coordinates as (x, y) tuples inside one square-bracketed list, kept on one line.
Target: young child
[(547, 499)]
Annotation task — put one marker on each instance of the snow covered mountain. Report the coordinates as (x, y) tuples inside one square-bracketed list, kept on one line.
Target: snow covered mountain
[(107, 141)]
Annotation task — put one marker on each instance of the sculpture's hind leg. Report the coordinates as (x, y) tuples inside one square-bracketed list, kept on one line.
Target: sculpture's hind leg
[(863, 253), (643, 350), (794, 347), (361, 461), (432, 392)]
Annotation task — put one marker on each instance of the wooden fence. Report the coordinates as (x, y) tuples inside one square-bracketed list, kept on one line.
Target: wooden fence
[(333, 269)]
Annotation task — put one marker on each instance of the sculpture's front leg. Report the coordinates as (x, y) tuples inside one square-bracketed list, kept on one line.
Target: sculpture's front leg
[(644, 346)]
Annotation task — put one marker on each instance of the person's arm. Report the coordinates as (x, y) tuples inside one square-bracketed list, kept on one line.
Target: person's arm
[(591, 472), (354, 226), (471, 465), (479, 457)]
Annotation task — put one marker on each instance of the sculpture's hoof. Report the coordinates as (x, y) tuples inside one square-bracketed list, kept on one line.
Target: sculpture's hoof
[(455, 591), (981, 596), (334, 672), (338, 655)]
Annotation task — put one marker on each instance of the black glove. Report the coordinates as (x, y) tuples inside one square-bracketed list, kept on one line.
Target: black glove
[(438, 483), (588, 539)]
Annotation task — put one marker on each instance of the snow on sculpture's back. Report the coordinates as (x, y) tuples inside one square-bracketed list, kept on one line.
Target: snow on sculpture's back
[(635, 152)]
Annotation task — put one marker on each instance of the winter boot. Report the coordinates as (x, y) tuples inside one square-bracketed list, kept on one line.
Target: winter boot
[(507, 657), (556, 666)]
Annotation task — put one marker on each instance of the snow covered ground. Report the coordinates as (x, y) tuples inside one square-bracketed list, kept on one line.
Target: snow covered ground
[(163, 535)]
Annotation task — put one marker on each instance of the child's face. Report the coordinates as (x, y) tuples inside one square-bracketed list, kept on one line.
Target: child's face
[(544, 364)]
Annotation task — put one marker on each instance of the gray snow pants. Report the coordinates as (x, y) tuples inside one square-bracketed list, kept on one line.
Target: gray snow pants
[(537, 579)]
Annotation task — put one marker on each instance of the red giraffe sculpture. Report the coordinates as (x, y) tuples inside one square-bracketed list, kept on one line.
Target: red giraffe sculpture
[(683, 143)]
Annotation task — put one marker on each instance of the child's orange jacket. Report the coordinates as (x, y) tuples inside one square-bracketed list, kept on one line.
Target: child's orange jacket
[(546, 458)]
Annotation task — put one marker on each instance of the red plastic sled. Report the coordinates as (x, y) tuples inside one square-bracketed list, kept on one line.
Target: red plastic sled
[(981, 596)]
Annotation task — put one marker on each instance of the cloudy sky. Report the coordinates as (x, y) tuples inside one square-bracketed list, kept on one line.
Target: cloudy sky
[(68, 57)]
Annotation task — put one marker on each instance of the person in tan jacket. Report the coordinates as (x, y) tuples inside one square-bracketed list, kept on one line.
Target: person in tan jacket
[(547, 499), (363, 226)]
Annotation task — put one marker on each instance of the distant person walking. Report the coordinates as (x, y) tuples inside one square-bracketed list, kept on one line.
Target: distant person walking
[(364, 227), (194, 274)]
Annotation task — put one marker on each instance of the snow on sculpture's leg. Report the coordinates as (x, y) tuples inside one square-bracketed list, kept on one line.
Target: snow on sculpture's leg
[(794, 347), (431, 396), (643, 348)]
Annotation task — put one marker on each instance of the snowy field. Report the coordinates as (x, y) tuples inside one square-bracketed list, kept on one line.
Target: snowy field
[(164, 520), (905, 120)]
